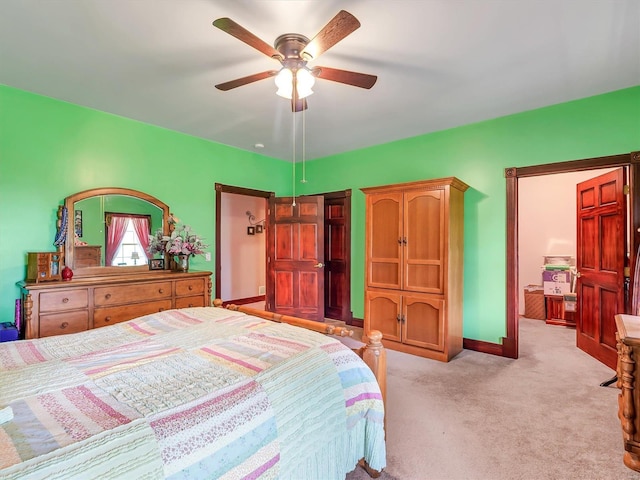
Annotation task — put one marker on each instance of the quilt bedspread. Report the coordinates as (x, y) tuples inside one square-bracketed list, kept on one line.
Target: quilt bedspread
[(191, 393)]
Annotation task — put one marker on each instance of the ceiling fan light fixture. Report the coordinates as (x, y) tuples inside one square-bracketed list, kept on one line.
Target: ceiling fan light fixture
[(284, 82), (304, 81)]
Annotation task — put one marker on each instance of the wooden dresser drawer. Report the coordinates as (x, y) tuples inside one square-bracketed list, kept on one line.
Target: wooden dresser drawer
[(193, 286), (56, 301), (185, 302), (105, 296), (62, 323), (112, 315)]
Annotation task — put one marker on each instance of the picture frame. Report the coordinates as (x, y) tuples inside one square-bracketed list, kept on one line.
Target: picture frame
[(156, 264), (258, 228), (77, 223), (251, 230)]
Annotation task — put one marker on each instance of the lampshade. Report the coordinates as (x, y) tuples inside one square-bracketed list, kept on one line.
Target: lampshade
[(134, 256), (304, 81)]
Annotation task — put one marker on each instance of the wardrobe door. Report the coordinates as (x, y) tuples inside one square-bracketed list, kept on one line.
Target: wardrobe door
[(423, 318), (424, 233), (382, 311), (384, 240)]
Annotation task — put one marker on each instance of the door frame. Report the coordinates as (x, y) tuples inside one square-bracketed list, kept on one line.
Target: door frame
[(509, 346), (222, 188)]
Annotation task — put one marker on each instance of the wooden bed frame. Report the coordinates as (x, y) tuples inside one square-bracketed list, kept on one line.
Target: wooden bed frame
[(372, 352)]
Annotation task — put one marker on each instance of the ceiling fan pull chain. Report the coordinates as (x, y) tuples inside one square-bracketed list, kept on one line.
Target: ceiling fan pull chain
[(293, 156), (304, 146)]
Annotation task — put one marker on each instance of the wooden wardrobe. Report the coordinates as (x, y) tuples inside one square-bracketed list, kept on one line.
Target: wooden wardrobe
[(414, 265)]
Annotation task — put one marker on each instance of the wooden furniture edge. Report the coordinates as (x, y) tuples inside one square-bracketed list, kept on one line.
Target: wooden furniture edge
[(372, 353)]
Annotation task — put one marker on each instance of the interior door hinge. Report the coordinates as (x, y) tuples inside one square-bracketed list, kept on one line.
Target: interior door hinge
[(627, 272), (625, 189)]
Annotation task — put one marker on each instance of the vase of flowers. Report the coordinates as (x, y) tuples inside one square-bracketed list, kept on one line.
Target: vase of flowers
[(182, 244)]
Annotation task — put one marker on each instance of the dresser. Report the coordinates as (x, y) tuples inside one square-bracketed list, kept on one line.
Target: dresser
[(414, 265), (628, 375), (62, 307)]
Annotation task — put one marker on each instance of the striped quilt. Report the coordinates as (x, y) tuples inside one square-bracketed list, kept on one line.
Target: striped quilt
[(192, 393)]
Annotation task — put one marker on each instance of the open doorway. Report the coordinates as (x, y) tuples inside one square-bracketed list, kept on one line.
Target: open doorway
[(337, 248), (509, 346), (549, 245)]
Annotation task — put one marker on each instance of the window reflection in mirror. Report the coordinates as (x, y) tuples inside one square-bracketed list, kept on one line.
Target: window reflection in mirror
[(92, 215)]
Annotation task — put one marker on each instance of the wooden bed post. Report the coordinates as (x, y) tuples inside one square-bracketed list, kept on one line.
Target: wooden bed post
[(375, 356)]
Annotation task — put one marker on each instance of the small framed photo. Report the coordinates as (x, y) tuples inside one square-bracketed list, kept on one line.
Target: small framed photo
[(77, 223), (251, 230), (156, 264), (258, 228)]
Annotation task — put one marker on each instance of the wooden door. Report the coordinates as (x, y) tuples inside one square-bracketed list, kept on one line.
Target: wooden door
[(384, 240), (424, 240), (295, 257), (337, 256), (601, 253)]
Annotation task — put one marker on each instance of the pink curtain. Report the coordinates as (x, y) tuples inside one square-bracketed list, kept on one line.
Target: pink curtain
[(143, 229), (115, 233)]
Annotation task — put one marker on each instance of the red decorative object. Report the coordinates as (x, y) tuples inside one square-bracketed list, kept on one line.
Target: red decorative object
[(67, 274)]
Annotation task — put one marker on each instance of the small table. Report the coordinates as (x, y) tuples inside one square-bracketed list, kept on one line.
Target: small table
[(556, 313)]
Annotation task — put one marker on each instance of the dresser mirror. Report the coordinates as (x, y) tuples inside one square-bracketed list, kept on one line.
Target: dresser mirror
[(100, 228)]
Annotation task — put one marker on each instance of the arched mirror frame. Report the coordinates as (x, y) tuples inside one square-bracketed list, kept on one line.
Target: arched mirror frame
[(69, 246)]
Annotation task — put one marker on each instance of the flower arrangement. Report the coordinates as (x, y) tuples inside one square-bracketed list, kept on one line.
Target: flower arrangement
[(182, 241)]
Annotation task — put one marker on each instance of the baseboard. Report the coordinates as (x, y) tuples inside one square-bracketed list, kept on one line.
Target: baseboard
[(244, 301), (483, 347), (356, 322)]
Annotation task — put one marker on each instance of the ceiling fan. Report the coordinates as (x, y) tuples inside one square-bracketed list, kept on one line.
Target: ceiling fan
[(293, 51)]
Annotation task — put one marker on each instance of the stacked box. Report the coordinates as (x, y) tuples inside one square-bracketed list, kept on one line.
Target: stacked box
[(556, 282)]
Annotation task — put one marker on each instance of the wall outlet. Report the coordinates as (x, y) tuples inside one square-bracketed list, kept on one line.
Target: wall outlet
[(207, 256), (262, 290)]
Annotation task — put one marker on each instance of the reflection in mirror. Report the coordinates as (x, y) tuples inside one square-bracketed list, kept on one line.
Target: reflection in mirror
[(111, 228)]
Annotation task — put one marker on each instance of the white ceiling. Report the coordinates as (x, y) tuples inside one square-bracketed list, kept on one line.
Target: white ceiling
[(440, 63)]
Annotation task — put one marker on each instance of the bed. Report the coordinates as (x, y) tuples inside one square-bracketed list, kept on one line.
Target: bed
[(203, 392)]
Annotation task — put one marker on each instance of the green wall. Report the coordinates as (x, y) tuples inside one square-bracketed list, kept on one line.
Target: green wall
[(51, 149), (478, 154)]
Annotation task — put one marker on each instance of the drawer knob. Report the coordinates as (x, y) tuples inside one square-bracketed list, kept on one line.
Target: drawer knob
[(190, 287), (64, 324), (161, 309), (107, 296), (191, 304), (107, 319), (160, 290), (65, 300)]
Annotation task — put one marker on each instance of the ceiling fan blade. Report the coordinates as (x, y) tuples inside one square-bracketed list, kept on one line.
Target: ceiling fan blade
[(356, 79), (299, 104), (338, 28), (232, 28), (238, 82)]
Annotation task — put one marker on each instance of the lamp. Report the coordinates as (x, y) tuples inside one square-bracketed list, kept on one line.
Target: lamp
[(304, 81), (135, 257)]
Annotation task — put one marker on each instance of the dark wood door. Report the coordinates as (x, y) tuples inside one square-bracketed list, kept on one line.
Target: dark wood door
[(295, 257), (601, 253), (337, 256)]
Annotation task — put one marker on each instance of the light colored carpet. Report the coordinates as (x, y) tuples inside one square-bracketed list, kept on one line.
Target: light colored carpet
[(542, 416)]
